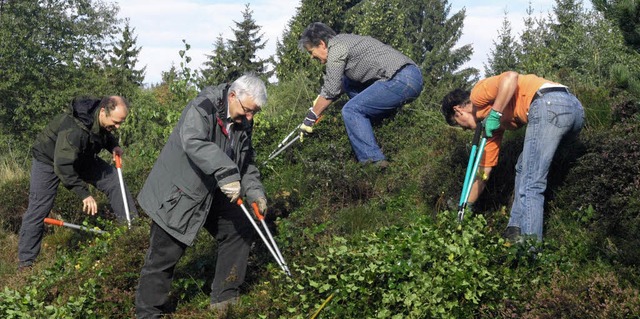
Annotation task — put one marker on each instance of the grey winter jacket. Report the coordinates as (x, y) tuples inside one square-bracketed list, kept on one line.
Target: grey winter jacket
[(193, 164)]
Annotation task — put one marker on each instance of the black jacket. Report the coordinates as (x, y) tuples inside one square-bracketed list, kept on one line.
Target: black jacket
[(72, 139)]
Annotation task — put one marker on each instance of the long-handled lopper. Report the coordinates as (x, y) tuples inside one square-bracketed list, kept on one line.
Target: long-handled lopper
[(57, 222), (273, 249), (472, 168), (284, 144), (260, 217), (288, 140), (124, 193)]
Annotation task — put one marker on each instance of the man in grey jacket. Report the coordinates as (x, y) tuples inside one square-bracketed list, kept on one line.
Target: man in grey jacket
[(206, 165)]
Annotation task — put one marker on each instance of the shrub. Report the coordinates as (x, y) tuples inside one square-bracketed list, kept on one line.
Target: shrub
[(421, 271), (14, 195), (604, 187), (584, 294)]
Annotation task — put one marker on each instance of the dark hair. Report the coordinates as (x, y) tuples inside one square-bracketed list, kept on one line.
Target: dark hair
[(314, 33), (454, 98), (109, 103)]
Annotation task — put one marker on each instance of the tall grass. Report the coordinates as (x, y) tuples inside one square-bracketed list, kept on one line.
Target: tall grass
[(12, 170)]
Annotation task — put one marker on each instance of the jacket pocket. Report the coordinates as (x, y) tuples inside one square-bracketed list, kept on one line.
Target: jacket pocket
[(178, 210)]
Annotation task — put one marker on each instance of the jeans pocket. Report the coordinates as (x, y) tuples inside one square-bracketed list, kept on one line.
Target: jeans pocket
[(560, 117)]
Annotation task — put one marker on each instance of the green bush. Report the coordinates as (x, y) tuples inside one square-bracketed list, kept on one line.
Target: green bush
[(425, 270), (15, 199), (604, 188), (591, 293)]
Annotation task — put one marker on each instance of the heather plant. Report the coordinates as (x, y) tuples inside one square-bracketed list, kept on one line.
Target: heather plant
[(602, 190)]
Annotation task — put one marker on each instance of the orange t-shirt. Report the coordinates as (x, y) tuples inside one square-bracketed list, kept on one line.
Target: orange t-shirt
[(514, 114)]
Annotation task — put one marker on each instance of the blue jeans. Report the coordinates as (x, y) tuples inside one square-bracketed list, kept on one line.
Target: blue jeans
[(377, 101), (553, 118)]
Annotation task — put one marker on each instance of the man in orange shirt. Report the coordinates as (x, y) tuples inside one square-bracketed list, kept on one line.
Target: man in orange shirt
[(507, 102)]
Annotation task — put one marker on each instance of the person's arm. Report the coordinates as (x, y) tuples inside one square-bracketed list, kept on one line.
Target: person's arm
[(320, 104), (479, 184), (67, 151), (506, 88)]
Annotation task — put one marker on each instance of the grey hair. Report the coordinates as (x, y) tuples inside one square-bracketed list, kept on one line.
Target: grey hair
[(250, 85)]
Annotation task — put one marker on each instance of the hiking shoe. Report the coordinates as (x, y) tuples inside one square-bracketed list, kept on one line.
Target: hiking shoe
[(221, 308), (25, 268), (512, 234), (382, 164)]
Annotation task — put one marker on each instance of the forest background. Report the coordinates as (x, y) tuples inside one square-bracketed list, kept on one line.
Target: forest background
[(381, 244)]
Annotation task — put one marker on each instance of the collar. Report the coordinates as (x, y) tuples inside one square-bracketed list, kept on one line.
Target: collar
[(96, 128)]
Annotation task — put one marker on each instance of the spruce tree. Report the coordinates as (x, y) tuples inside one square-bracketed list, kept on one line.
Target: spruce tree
[(217, 65), (124, 75), (626, 14), (291, 60), (503, 56), (243, 48)]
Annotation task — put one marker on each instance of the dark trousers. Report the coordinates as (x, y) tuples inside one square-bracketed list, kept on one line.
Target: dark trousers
[(42, 194), (234, 234)]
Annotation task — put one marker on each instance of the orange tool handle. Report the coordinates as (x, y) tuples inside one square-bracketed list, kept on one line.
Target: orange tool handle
[(118, 161), (52, 221), (256, 211), (239, 202)]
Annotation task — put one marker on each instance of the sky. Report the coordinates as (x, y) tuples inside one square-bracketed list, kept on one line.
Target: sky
[(161, 25)]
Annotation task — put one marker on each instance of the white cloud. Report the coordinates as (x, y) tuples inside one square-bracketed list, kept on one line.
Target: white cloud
[(162, 24)]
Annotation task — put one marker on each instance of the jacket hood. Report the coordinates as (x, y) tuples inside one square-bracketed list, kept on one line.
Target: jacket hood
[(84, 108)]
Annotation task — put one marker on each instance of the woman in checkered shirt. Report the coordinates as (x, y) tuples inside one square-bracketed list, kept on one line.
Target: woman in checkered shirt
[(377, 78)]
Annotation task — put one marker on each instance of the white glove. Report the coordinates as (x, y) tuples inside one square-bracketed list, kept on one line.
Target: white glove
[(262, 205), (232, 190)]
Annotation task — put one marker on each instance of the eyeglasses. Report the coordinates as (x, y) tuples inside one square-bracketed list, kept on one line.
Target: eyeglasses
[(246, 110)]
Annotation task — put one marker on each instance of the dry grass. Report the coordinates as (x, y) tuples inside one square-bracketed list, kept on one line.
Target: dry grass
[(11, 170)]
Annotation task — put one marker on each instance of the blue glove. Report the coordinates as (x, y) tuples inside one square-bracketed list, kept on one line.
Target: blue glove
[(492, 122)]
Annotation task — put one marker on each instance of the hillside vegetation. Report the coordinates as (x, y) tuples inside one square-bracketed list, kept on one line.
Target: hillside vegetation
[(360, 242), (383, 244)]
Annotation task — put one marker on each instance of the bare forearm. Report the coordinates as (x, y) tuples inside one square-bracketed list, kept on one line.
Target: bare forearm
[(320, 104)]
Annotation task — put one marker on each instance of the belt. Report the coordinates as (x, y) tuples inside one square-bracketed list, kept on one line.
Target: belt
[(544, 91)]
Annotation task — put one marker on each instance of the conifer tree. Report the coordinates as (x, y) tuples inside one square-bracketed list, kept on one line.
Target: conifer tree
[(626, 14), (503, 56), (291, 60), (243, 48), (217, 65), (126, 78)]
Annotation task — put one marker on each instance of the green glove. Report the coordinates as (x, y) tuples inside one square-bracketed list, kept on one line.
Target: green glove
[(492, 122)]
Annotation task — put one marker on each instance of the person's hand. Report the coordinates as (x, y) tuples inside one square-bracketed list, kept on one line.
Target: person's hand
[(492, 122), (90, 206), (117, 151), (232, 190), (307, 125), (262, 206)]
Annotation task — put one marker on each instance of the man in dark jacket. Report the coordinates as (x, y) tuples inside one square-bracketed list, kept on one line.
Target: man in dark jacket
[(206, 165), (67, 150)]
